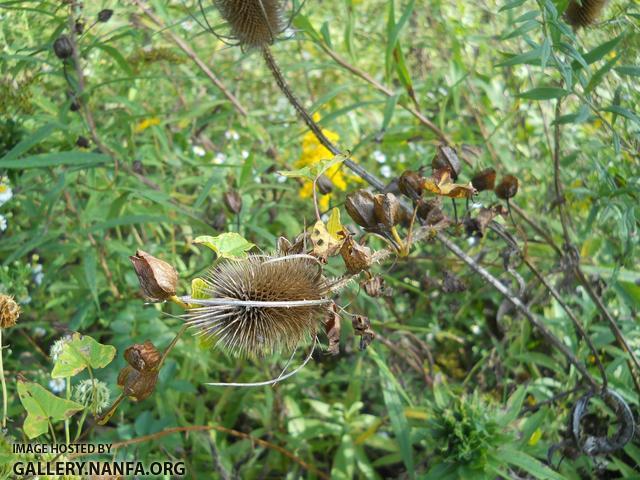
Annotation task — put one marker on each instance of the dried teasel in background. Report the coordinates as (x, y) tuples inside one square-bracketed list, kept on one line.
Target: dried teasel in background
[(581, 13), (253, 23), (9, 311), (484, 180), (261, 305), (507, 188), (158, 279)]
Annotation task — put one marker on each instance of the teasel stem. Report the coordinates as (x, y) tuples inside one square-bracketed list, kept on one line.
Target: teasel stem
[(308, 120), (4, 386)]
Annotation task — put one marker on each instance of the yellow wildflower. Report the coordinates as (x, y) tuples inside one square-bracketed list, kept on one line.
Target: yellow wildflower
[(146, 123), (535, 437), (313, 152)]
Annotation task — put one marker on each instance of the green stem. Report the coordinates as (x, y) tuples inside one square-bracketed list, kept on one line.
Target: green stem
[(4, 387), (66, 420)]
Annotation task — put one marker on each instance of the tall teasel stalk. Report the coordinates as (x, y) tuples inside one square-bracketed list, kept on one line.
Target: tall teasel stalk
[(256, 24)]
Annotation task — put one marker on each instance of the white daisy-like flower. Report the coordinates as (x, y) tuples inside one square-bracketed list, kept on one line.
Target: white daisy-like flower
[(92, 393), (245, 154), (58, 345), (386, 171), (5, 191), (3, 223), (379, 157), (220, 158), (57, 385), (37, 274), (198, 150), (231, 135)]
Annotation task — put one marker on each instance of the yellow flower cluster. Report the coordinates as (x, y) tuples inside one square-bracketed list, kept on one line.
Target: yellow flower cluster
[(146, 123), (313, 152)]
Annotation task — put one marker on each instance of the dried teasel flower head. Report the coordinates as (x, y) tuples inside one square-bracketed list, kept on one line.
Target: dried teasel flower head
[(261, 305), (253, 23), (9, 311), (158, 279), (581, 13)]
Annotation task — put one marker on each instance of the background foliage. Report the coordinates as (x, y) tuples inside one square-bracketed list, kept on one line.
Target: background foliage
[(455, 383)]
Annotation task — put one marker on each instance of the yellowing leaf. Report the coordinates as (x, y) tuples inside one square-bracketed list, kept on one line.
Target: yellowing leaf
[(535, 437), (324, 244), (333, 225), (440, 184), (226, 245)]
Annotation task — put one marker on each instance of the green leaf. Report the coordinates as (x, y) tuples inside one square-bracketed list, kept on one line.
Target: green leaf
[(54, 159), (531, 57), (43, 406), (601, 50), (90, 271), (393, 31), (80, 353), (599, 75), (344, 459), (312, 172), (514, 406), (226, 245), (543, 93), (26, 144), (511, 4), (631, 70), (528, 464), (623, 112)]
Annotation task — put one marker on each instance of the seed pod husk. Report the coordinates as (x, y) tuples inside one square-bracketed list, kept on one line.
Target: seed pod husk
[(158, 280), (105, 15), (62, 47), (233, 201), (360, 206), (82, 142), (484, 180), (356, 257), (507, 188), (143, 356), (325, 185), (386, 209), (446, 157), (9, 311), (411, 184), (135, 384)]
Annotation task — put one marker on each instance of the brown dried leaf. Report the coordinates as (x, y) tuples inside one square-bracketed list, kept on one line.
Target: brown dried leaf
[(332, 329), (440, 184), (356, 257)]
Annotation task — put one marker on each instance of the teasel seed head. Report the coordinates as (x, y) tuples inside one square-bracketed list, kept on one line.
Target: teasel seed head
[(584, 12), (261, 305), (9, 311), (253, 23)]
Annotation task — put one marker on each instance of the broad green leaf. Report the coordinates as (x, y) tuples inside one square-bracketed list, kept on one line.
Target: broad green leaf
[(226, 245), (528, 464), (528, 58), (43, 406), (599, 75), (543, 93), (54, 159), (511, 4), (312, 172), (80, 353), (30, 141), (198, 288), (623, 112)]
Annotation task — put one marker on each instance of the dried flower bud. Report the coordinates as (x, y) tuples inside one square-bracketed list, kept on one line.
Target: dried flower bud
[(79, 26), (411, 184), (62, 47), (105, 15), (137, 385), (9, 311), (325, 185), (484, 180), (507, 188), (233, 201), (360, 207), (158, 279), (386, 209), (82, 142), (374, 287), (446, 157), (143, 357)]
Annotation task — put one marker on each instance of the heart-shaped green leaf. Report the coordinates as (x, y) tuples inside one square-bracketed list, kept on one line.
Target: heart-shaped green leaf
[(79, 353), (226, 245), (43, 406)]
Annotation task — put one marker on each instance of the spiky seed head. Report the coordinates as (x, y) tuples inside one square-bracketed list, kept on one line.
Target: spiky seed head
[(253, 23), (256, 331), (585, 12)]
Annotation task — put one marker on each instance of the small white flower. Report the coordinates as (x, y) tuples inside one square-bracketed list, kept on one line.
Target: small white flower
[(3, 223), (245, 154), (386, 171), (281, 178), (187, 25), (379, 157), (58, 345), (472, 241), (37, 274), (198, 150), (5, 192), (231, 135), (92, 393), (57, 385), (39, 332), (219, 158), (475, 329)]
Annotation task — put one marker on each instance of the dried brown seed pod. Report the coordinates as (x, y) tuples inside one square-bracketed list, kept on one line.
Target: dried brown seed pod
[(233, 201), (158, 279), (325, 185), (9, 311), (356, 257), (360, 206), (584, 12), (143, 356), (484, 180), (411, 184), (261, 305), (507, 188), (62, 47), (253, 23), (105, 15), (447, 158), (386, 209), (135, 384)]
